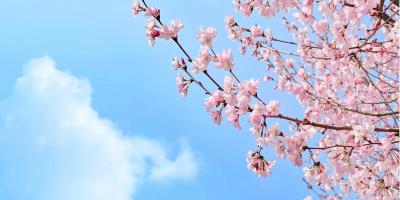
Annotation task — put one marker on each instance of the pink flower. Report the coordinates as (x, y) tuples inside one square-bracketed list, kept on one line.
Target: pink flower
[(321, 26), (259, 110), (303, 17), (273, 107), (232, 115), (317, 173), (360, 132), (175, 63), (256, 31), (243, 100), (200, 64), (171, 31), (151, 31), (325, 9), (302, 74), (250, 86), (206, 36), (166, 32), (214, 100), (387, 146), (257, 164), (294, 147), (183, 85), (136, 8), (229, 83), (246, 90), (216, 117), (235, 34), (268, 34), (266, 11), (247, 9), (270, 137), (175, 27), (224, 60), (230, 89), (289, 63), (229, 21), (152, 12)]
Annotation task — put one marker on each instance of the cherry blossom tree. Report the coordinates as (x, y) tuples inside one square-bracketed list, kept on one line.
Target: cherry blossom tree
[(342, 65)]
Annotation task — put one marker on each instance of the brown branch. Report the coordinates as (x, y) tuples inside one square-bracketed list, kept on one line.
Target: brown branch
[(345, 146), (326, 126)]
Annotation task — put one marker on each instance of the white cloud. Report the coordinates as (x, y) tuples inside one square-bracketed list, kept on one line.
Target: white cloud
[(53, 144)]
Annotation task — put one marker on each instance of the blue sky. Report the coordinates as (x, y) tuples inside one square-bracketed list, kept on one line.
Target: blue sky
[(128, 90)]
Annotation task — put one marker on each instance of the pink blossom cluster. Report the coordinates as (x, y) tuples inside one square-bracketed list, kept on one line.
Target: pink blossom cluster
[(257, 164), (222, 60), (341, 64), (153, 30), (183, 84), (264, 8), (206, 36), (214, 101)]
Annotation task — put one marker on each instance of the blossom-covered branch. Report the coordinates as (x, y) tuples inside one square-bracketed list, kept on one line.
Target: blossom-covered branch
[(342, 69)]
